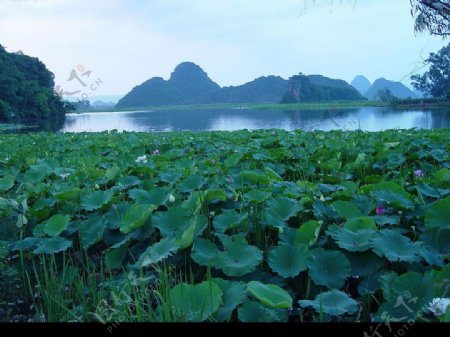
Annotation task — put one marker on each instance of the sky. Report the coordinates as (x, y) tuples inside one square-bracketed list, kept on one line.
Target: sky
[(125, 42)]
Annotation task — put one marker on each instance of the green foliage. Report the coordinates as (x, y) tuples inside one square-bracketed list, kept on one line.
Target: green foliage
[(329, 268), (270, 295), (288, 261), (238, 242), (195, 303), (436, 80), (333, 302), (27, 90), (318, 88)]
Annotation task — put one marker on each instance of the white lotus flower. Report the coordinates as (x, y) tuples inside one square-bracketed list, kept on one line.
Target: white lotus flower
[(171, 198), (439, 306), (142, 159), (64, 175)]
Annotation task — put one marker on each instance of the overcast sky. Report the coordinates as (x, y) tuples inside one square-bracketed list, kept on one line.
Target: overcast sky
[(125, 42)]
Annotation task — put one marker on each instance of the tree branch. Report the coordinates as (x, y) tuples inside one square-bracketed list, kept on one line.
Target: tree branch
[(437, 5)]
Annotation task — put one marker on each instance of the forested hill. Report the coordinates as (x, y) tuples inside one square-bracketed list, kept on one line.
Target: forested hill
[(189, 84), (27, 90), (315, 88)]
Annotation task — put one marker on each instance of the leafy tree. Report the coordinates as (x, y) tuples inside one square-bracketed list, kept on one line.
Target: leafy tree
[(385, 95), (432, 15), (82, 105), (312, 88), (436, 81), (27, 90)]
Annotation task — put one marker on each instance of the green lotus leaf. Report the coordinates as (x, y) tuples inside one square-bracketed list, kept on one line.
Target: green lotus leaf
[(187, 236), (184, 163), (394, 246), (438, 215), (24, 245), (69, 195), (357, 241), (285, 208), (172, 222), (52, 245), (257, 196), (256, 312), (112, 173), (191, 183), (255, 177), (288, 261), (156, 196), (135, 217), (347, 209), (363, 222), (365, 263), (384, 220), (409, 296), (270, 218), (393, 194), (437, 239), (44, 203), (129, 181), (196, 303), (228, 219), (114, 257), (428, 191), (37, 173), (205, 253), (215, 195), (234, 294), (239, 259), (115, 215), (272, 174), (270, 295), (328, 267), (332, 302), (95, 200), (431, 256), (56, 224), (6, 183), (4, 249), (91, 231), (232, 160), (307, 233), (158, 252), (321, 209), (170, 177), (442, 177)]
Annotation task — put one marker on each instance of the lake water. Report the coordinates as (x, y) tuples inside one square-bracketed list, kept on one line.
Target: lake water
[(364, 118)]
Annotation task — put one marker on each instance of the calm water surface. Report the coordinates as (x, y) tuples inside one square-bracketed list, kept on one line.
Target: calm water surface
[(365, 118)]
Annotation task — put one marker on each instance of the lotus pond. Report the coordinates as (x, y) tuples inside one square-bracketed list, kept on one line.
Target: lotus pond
[(243, 226)]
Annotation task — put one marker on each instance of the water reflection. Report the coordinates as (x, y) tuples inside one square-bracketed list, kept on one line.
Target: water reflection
[(365, 118)]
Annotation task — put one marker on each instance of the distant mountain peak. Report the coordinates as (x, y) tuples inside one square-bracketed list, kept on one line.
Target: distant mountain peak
[(361, 83), (396, 89), (189, 71), (190, 84)]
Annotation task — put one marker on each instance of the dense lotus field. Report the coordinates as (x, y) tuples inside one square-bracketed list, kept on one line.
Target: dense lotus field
[(225, 226)]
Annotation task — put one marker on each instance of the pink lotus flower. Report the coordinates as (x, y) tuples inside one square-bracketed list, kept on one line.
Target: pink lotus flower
[(418, 173), (380, 210), (156, 152)]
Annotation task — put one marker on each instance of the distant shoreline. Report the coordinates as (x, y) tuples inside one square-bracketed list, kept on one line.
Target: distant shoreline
[(259, 106)]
